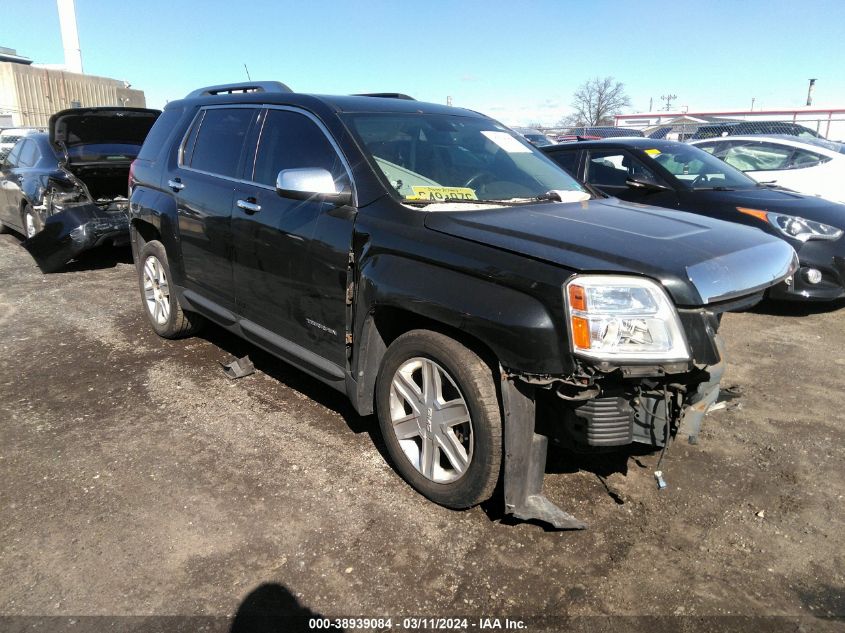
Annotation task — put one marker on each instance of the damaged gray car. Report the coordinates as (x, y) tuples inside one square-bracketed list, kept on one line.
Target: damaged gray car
[(66, 190)]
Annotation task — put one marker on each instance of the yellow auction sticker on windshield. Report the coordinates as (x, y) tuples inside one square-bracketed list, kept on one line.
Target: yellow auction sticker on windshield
[(442, 194), (653, 152)]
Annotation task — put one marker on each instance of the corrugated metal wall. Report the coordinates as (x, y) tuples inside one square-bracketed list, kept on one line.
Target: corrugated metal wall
[(32, 94)]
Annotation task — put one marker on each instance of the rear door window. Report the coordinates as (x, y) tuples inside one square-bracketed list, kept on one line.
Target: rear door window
[(612, 168), (802, 158), (28, 154), (567, 160), (220, 141), (756, 156)]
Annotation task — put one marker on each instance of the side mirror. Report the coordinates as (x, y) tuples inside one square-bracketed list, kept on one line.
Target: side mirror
[(644, 184), (310, 183)]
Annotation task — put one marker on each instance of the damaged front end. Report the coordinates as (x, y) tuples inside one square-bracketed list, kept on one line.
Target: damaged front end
[(606, 404)]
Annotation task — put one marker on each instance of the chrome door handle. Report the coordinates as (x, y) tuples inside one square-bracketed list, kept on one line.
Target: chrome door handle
[(249, 207), (175, 184)]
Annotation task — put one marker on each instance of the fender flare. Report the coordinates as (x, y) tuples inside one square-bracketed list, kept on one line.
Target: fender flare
[(518, 329)]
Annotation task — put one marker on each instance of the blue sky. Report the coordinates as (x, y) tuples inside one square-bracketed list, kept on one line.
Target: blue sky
[(518, 61)]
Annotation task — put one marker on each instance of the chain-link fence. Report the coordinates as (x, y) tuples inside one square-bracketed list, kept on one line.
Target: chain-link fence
[(686, 130)]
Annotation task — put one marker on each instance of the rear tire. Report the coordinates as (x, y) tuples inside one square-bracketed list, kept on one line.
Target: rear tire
[(439, 416), (161, 306)]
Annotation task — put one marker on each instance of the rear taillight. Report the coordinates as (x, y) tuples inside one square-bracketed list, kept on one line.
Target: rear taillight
[(131, 176)]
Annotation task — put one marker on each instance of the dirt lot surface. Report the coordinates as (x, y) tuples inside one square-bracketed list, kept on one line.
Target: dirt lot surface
[(138, 480)]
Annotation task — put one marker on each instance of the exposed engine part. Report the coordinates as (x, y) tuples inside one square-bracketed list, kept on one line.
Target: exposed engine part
[(565, 391)]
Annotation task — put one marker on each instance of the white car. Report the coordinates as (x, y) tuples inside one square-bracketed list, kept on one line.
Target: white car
[(810, 165), (10, 136)]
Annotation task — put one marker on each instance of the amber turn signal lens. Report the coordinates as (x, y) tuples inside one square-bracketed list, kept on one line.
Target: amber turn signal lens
[(580, 333), (577, 298), (757, 213)]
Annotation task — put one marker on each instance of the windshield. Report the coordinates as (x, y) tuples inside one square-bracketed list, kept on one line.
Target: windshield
[(696, 169), (449, 158)]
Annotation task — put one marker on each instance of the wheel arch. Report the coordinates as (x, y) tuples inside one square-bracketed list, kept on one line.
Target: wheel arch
[(500, 324)]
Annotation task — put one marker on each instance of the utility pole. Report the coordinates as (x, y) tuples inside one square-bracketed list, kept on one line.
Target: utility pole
[(810, 92), (650, 103), (753, 99), (668, 99)]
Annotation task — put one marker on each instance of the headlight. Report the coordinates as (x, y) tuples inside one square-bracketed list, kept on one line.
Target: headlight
[(618, 318), (795, 227)]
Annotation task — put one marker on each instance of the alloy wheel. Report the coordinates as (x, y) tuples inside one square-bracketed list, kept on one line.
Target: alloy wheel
[(431, 420), (156, 290)]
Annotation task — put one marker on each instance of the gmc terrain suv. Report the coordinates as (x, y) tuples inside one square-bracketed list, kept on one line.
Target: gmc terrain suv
[(439, 270)]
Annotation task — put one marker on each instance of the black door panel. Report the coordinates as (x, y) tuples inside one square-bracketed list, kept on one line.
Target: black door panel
[(205, 191), (291, 256), (205, 208)]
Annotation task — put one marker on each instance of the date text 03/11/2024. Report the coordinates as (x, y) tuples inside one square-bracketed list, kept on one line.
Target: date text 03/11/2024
[(422, 623)]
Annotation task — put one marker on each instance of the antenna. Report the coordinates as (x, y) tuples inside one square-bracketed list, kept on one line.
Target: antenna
[(248, 78)]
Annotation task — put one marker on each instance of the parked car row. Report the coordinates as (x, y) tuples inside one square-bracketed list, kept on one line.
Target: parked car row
[(681, 176), (810, 165), (788, 155), (444, 273)]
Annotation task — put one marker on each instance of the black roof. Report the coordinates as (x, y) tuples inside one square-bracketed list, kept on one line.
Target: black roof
[(338, 103)]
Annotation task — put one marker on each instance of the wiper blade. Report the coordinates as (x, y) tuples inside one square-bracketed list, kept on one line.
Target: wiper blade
[(719, 188)]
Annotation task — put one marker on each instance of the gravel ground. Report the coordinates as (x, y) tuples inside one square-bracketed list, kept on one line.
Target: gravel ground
[(138, 480)]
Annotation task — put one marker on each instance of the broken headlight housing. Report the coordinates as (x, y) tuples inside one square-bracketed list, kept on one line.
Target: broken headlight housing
[(795, 227), (621, 318)]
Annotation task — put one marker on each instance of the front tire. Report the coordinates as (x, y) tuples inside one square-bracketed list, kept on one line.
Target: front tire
[(161, 306), (440, 419)]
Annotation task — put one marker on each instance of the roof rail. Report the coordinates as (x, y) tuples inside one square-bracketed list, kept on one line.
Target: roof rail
[(385, 95), (252, 86)]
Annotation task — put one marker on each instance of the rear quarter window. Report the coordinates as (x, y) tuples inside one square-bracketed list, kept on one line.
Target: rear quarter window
[(159, 134)]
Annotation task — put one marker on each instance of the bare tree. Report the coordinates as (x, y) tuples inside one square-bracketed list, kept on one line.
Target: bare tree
[(596, 101)]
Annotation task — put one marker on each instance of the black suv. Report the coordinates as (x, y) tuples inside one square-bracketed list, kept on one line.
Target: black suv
[(436, 268)]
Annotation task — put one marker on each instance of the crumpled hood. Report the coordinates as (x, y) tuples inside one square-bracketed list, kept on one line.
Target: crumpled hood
[(698, 260), (88, 126)]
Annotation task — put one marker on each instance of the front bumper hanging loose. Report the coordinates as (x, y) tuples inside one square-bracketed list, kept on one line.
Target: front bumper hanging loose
[(525, 461), (525, 450)]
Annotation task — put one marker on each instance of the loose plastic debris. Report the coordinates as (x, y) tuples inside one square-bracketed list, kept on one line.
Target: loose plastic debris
[(238, 368)]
